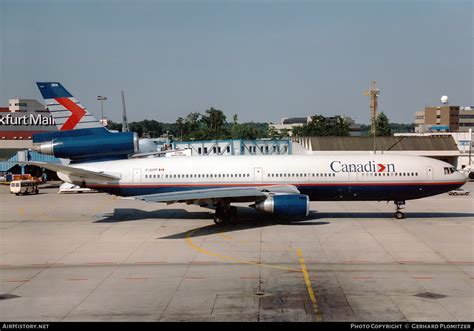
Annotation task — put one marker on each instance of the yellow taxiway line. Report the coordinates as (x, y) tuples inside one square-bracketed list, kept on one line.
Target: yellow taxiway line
[(312, 297), (303, 269), (231, 258)]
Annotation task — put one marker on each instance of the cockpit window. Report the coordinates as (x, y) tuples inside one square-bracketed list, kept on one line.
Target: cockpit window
[(449, 170)]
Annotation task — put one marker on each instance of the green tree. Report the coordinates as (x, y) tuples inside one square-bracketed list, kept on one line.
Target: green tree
[(193, 121), (235, 119), (215, 122), (274, 133), (181, 126), (382, 125), (339, 127), (297, 131), (114, 126), (321, 126), (318, 126), (244, 131)]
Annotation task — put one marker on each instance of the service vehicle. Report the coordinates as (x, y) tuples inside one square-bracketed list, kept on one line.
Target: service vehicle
[(24, 187), (458, 191)]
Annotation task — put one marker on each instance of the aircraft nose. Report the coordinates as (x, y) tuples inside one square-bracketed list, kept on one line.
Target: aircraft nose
[(461, 177)]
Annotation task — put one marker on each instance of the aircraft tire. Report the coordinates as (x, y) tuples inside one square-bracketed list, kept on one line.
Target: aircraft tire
[(399, 215), (222, 219), (218, 220)]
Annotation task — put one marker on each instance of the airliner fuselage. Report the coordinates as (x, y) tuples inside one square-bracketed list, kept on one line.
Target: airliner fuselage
[(321, 177)]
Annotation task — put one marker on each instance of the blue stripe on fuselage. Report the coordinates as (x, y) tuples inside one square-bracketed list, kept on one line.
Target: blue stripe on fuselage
[(318, 192)]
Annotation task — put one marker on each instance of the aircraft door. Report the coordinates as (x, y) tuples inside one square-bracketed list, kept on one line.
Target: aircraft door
[(136, 176), (258, 174), (429, 173)]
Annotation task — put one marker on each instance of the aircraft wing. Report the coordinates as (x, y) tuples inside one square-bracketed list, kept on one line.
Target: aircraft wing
[(241, 193), (73, 171)]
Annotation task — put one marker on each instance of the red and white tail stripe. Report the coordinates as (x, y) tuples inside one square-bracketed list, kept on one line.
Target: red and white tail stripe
[(67, 111)]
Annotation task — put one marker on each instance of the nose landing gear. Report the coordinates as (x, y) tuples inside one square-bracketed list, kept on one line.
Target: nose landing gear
[(398, 206)]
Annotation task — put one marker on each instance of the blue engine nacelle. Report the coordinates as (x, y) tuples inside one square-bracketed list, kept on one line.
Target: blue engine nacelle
[(285, 204), (92, 145)]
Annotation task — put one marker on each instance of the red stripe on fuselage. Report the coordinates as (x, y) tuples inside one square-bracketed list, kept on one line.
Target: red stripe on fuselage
[(273, 184), (77, 113)]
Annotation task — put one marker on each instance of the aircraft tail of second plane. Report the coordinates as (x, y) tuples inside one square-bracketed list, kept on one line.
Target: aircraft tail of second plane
[(67, 111)]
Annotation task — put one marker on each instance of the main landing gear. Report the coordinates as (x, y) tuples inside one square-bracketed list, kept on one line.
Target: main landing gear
[(398, 206), (225, 214)]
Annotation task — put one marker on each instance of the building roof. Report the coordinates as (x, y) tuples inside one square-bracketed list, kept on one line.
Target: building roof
[(382, 143), (295, 120), (32, 156)]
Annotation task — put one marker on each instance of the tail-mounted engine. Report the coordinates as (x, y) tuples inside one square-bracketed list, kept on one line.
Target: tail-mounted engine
[(86, 144)]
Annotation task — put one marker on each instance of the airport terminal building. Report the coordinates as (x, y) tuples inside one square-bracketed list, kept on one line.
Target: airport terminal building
[(19, 121)]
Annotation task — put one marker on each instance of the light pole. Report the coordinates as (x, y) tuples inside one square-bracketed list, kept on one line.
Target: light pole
[(374, 93), (102, 99)]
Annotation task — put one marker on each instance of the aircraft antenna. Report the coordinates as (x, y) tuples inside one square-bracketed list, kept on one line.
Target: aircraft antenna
[(124, 115)]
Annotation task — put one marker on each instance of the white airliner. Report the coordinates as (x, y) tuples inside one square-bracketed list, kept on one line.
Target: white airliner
[(282, 184)]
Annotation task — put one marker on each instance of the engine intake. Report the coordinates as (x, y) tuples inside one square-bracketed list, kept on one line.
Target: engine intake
[(285, 204)]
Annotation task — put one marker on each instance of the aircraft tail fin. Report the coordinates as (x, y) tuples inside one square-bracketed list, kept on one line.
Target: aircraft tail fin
[(67, 111)]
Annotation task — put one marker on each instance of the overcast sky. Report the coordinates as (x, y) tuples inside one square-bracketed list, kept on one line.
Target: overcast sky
[(262, 60)]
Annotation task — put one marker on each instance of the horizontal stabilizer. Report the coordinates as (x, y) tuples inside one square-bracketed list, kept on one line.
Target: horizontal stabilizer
[(73, 171)]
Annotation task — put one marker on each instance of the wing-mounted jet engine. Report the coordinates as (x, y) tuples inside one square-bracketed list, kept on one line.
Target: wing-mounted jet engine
[(285, 205)]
